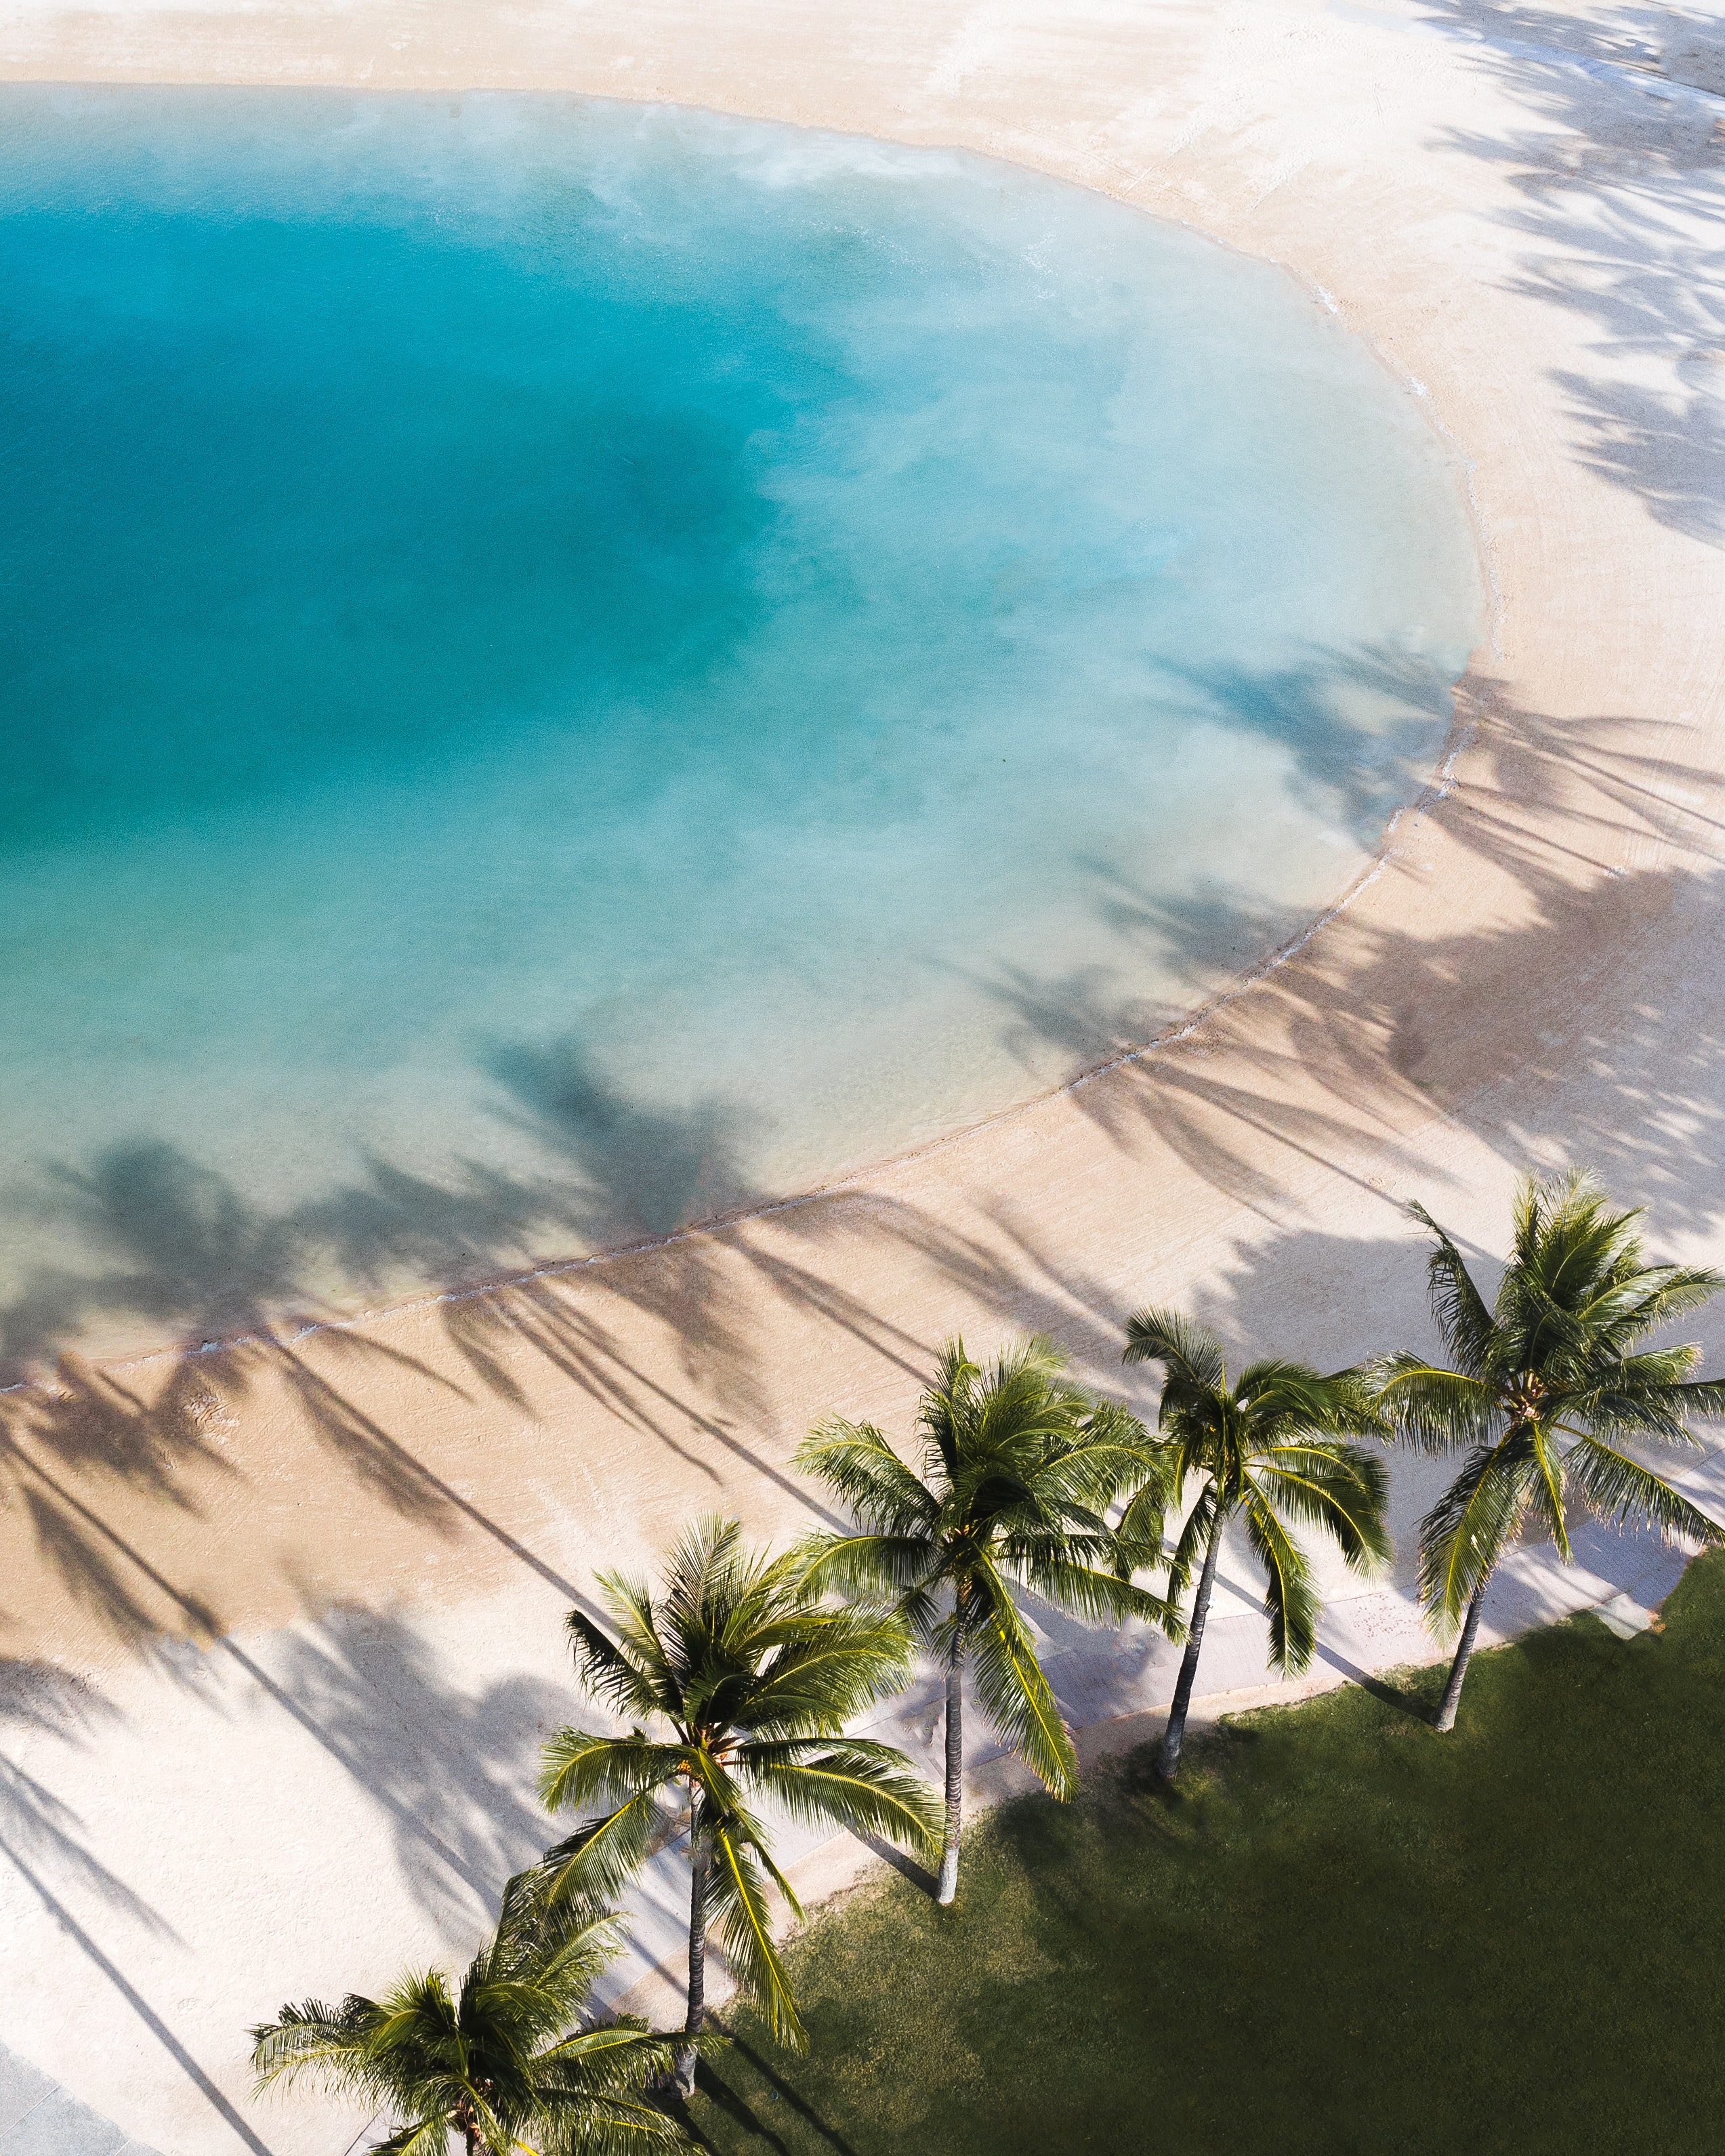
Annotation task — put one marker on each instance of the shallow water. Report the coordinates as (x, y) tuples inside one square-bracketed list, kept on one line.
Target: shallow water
[(565, 666)]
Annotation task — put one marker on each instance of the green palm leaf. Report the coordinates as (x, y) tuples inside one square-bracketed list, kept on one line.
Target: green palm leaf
[(1622, 1490), (504, 2061), (745, 1926), (1289, 1601), (1339, 1487), (1463, 1535), (1190, 1354), (855, 1783), (604, 1854), (1014, 1693), (1463, 1318), (858, 1464), (1548, 1385)]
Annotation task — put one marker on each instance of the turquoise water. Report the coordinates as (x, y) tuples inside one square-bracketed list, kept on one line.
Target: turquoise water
[(568, 667)]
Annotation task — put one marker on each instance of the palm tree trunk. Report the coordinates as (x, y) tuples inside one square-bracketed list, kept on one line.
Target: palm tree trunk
[(1444, 1718), (1168, 1764), (700, 1867), (948, 1886)]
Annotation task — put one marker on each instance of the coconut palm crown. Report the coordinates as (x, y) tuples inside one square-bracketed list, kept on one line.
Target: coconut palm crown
[(1275, 1447), (1548, 1386), (503, 2062), (740, 1681), (1019, 1469)]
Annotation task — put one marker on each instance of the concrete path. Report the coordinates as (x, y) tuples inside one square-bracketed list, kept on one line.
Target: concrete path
[(37, 2117)]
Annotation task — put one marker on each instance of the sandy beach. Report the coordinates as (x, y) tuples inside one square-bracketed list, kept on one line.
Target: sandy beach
[(282, 1618)]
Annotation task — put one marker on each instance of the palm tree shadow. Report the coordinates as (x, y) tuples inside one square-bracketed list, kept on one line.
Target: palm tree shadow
[(1621, 184), (1356, 1040), (907, 1867), (711, 2084), (1391, 1695)]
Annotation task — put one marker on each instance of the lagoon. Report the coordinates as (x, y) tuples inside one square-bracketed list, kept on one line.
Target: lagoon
[(565, 667)]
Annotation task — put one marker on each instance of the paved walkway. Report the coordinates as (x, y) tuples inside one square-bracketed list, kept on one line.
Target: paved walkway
[(37, 2117)]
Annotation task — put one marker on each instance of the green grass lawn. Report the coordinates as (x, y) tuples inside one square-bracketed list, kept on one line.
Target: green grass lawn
[(1344, 1933)]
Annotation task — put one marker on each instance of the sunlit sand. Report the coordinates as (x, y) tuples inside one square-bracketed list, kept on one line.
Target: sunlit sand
[(284, 1618)]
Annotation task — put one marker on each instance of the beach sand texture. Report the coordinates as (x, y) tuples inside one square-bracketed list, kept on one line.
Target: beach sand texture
[(282, 1618)]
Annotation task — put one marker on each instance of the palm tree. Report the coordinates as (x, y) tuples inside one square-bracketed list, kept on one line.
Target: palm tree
[(1545, 1390), (1019, 1469), (503, 2059), (1274, 1447), (755, 1679)]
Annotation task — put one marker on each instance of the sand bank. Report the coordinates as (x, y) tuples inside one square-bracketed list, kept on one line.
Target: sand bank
[(382, 1523)]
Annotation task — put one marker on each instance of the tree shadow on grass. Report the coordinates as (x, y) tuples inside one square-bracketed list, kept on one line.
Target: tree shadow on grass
[(714, 2085)]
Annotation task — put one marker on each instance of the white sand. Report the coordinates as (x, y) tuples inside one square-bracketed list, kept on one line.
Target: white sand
[(1520, 215)]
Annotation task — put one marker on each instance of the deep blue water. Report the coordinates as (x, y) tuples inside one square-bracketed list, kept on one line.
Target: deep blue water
[(562, 666)]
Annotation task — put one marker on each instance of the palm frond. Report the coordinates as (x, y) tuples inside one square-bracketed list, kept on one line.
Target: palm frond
[(426, 2137), (1144, 1521), (744, 1924), (837, 1663), (630, 1602), (601, 1856), (608, 1673), (1545, 1487), (1622, 1311), (858, 1466), (946, 1406), (617, 2055), (604, 2125), (328, 2042), (1095, 1593), (1014, 1693), (867, 1564), (1468, 1529), (1621, 1489), (1190, 1354), (1193, 1536), (858, 1784), (1329, 1484), (585, 1766), (1436, 1410), (1290, 1601), (1630, 1401), (1460, 1311)]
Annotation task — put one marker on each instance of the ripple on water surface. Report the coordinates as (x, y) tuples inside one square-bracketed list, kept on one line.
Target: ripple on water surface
[(566, 666)]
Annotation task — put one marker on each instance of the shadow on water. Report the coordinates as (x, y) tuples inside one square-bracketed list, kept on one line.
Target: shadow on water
[(1406, 1019), (1373, 1041), (1612, 190), (1609, 204)]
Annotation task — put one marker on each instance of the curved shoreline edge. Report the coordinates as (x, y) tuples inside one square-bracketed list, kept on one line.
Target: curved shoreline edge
[(104, 1347), (331, 1574), (292, 1330)]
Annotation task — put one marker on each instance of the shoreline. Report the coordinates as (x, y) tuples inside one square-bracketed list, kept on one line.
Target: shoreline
[(103, 1347), (331, 1573), (292, 1331)]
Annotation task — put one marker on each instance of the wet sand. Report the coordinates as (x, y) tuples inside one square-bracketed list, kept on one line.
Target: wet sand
[(378, 1526)]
